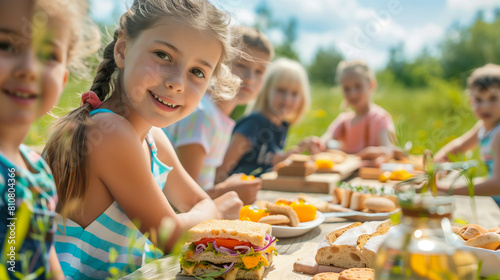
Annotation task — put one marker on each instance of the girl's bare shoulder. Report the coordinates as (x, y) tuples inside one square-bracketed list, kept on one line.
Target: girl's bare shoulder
[(107, 132)]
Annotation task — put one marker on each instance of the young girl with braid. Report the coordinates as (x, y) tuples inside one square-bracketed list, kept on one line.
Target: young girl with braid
[(40, 41), (107, 158), (201, 139)]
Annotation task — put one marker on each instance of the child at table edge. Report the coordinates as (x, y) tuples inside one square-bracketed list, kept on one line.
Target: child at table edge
[(483, 87), (35, 58)]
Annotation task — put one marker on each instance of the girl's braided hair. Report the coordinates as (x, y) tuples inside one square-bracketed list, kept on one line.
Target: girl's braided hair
[(67, 149)]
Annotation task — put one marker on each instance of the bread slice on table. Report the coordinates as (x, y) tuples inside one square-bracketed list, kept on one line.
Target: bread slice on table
[(346, 198), (252, 250), (337, 195), (326, 276), (357, 274), (340, 247), (379, 204), (245, 231), (358, 201), (286, 210)]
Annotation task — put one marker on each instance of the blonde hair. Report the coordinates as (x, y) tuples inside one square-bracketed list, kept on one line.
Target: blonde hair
[(289, 71), (354, 66), (66, 149), (245, 37), (484, 77), (85, 35)]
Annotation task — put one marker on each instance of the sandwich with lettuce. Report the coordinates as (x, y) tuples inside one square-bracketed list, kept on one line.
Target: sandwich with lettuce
[(228, 249)]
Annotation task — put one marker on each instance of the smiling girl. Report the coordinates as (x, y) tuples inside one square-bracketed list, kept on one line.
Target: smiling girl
[(107, 158), (39, 42)]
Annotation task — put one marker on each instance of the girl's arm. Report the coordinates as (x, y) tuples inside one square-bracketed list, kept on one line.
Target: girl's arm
[(56, 272), (490, 186), (335, 131), (460, 145), (192, 158), (238, 146), (119, 160), (181, 189)]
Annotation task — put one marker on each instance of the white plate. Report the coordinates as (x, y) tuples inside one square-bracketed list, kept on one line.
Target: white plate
[(490, 259), (360, 216), (285, 232)]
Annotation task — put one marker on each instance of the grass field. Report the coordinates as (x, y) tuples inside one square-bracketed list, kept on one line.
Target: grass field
[(428, 117)]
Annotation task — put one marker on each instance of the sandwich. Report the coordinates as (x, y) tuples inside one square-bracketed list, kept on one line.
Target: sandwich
[(228, 249)]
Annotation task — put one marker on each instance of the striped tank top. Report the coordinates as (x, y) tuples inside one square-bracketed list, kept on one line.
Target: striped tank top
[(110, 242)]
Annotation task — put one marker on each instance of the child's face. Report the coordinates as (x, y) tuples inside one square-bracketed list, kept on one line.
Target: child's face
[(33, 58), (167, 69), (286, 99), (486, 105), (251, 73), (356, 90)]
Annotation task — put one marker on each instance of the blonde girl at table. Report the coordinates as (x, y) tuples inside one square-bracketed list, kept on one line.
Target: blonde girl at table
[(33, 72), (258, 139), (483, 87), (366, 129), (110, 164), (201, 139)]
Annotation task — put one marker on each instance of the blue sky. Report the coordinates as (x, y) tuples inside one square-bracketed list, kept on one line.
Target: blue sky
[(362, 29)]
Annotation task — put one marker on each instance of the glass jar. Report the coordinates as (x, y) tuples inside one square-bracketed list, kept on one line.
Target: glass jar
[(422, 246)]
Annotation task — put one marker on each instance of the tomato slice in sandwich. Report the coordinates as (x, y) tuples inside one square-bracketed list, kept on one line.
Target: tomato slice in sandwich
[(227, 243)]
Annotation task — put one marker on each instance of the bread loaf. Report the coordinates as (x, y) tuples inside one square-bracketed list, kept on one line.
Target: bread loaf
[(344, 251), (296, 165)]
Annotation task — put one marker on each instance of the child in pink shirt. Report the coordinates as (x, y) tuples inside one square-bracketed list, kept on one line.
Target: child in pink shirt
[(367, 129)]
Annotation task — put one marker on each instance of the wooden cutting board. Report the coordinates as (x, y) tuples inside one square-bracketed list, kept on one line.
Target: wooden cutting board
[(344, 169), (314, 183), (308, 265)]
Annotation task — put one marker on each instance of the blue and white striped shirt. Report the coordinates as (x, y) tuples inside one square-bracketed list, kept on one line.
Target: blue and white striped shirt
[(84, 253)]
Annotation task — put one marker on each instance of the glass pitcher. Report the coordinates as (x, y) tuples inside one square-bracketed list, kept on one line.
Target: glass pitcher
[(422, 246)]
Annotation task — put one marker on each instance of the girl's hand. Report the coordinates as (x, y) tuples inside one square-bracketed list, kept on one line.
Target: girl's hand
[(440, 157), (246, 189), (373, 153), (229, 205), (313, 144)]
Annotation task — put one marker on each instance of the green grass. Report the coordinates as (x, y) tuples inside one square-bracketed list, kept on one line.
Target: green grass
[(70, 99)]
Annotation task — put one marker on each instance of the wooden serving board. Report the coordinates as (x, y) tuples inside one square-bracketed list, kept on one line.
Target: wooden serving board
[(314, 183), (308, 265), (344, 169)]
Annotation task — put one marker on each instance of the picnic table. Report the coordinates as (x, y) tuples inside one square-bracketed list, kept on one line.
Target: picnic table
[(292, 249)]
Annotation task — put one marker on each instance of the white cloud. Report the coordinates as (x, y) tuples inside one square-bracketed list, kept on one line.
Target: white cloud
[(359, 31), (426, 36), (468, 5)]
